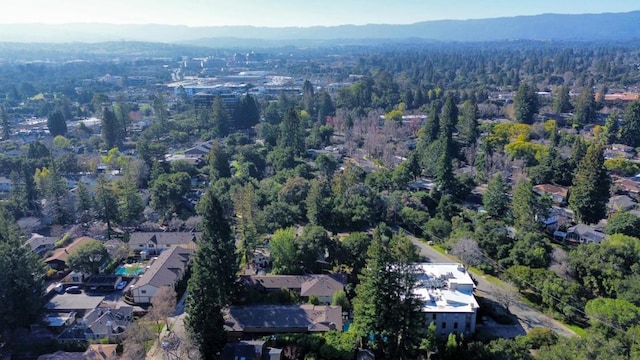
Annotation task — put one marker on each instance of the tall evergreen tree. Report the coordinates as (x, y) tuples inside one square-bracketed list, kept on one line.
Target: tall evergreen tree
[(122, 115), (561, 101), (291, 132), (495, 200), (590, 191), (220, 118), (525, 103), (387, 314), (6, 123), (468, 129), (218, 161), (523, 207), (110, 129), (212, 280), (57, 124), (247, 115), (630, 130), (22, 279), (445, 179), (449, 119), (611, 129), (585, 111)]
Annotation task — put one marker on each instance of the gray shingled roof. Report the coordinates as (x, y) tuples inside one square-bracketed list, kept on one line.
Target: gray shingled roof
[(167, 268), (307, 285), (281, 318), (162, 238)]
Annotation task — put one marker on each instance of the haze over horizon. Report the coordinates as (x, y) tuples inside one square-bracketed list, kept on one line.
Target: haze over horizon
[(288, 13)]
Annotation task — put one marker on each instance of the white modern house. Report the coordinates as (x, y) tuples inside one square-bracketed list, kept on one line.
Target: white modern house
[(447, 292)]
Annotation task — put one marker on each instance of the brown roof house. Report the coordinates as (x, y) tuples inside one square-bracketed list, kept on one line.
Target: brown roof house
[(321, 286), (167, 270), (153, 243), (257, 320), (58, 260), (558, 193)]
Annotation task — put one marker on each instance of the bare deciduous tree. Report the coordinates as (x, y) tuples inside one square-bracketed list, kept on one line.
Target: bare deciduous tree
[(135, 343), (504, 297), (468, 251), (163, 306)]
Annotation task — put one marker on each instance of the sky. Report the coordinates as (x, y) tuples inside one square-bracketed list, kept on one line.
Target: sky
[(282, 13)]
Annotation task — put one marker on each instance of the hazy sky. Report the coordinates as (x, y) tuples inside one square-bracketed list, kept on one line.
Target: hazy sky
[(277, 13)]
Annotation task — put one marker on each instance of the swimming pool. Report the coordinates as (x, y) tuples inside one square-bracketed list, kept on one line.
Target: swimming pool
[(130, 269)]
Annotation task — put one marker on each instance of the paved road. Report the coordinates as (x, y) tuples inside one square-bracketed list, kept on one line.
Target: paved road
[(527, 316)]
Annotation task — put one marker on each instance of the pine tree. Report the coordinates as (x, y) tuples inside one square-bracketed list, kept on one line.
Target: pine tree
[(110, 129), (387, 313), (525, 103), (212, 280), (56, 123), (612, 128), (523, 207), (6, 123), (220, 118), (585, 112), (291, 132), (218, 161), (22, 274), (630, 130), (590, 191), (445, 179), (449, 119), (495, 199), (561, 103), (468, 129)]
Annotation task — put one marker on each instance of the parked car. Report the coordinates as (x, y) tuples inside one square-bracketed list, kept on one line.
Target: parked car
[(73, 290), (121, 285)]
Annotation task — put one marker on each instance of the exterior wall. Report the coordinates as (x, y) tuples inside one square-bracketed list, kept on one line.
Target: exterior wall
[(143, 295), (450, 322)]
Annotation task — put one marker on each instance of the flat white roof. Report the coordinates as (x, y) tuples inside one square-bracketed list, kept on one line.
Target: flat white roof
[(446, 287)]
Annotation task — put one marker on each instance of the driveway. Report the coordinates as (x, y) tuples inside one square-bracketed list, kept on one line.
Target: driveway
[(528, 317)]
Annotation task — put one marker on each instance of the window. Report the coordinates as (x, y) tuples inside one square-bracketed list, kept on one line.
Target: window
[(455, 325), (143, 291), (444, 325)]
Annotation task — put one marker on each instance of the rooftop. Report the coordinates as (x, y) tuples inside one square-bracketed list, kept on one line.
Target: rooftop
[(166, 268), (446, 287), (281, 318)]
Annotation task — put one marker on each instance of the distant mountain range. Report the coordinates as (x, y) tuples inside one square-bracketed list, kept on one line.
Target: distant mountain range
[(596, 27)]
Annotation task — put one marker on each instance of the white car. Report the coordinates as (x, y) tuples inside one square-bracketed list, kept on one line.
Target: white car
[(121, 285)]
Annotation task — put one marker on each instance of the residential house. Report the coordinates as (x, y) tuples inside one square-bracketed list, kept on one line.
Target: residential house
[(321, 286), (623, 96), (106, 323), (620, 203), (200, 149), (583, 234), (259, 320), (101, 352), (250, 350), (167, 270), (58, 260), (154, 243), (626, 186), (619, 151), (5, 184), (93, 352), (557, 193), (41, 244), (447, 292)]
